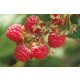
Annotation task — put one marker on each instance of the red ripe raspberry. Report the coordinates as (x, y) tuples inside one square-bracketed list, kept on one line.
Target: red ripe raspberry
[(40, 52), (13, 32), (55, 40), (57, 21), (32, 25), (22, 53)]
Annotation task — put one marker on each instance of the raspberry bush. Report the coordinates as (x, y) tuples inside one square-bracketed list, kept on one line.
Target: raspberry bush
[(36, 37)]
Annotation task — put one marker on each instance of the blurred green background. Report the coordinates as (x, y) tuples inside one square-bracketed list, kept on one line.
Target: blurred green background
[(66, 56)]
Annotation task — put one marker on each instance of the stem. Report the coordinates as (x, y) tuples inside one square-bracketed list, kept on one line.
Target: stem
[(31, 62), (18, 64)]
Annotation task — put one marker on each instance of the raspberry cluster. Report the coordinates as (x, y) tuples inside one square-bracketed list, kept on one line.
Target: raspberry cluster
[(29, 38)]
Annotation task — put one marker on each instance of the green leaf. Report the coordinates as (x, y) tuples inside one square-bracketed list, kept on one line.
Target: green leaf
[(44, 17), (74, 19), (75, 34)]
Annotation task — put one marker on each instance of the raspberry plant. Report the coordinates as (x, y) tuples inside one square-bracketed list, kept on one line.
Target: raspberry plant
[(36, 38)]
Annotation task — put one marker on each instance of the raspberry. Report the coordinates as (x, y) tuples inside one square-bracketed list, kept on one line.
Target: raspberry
[(55, 40), (57, 21), (40, 51), (22, 53), (32, 25), (13, 32)]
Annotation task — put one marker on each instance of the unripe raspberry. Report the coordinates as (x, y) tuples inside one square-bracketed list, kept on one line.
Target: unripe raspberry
[(58, 19), (40, 52), (55, 40), (14, 32), (22, 53), (33, 24)]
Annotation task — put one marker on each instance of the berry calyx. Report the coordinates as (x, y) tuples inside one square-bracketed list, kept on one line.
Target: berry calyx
[(39, 52), (57, 21), (22, 53), (14, 32), (33, 24), (55, 15), (55, 40)]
